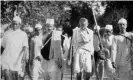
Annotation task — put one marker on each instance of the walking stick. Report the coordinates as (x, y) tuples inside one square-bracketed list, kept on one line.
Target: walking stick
[(47, 41), (101, 46), (72, 63), (97, 28)]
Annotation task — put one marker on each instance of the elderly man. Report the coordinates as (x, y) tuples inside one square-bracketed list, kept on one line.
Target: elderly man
[(52, 52), (121, 51), (84, 40), (107, 43), (15, 45)]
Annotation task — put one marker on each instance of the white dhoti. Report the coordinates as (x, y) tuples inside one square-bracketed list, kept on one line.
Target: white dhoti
[(83, 61), (51, 70), (37, 69)]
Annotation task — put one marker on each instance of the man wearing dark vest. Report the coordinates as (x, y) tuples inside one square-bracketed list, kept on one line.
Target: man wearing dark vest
[(52, 52)]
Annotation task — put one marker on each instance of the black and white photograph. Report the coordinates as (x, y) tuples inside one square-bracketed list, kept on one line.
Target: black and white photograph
[(66, 40)]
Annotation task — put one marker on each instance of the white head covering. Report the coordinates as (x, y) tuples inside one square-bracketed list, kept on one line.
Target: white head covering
[(30, 29), (122, 20), (17, 19), (38, 26), (109, 27), (50, 21), (97, 27)]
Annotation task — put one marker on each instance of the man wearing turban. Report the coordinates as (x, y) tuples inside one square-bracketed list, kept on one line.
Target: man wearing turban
[(36, 43)]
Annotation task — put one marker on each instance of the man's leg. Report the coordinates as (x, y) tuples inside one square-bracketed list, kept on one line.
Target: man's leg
[(15, 75), (7, 75), (87, 66), (35, 74), (79, 76), (87, 75), (101, 70), (56, 75), (97, 75), (45, 67), (56, 71)]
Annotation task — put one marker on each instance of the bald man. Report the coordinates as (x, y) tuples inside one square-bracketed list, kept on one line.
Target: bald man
[(120, 50), (15, 43), (84, 50)]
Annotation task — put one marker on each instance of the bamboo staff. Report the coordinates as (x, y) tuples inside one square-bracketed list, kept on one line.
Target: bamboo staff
[(72, 63), (97, 28)]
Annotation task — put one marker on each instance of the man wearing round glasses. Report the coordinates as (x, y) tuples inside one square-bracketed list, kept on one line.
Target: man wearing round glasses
[(85, 49), (121, 51)]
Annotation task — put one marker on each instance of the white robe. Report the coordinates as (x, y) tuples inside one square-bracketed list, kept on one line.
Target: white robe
[(120, 54), (13, 42)]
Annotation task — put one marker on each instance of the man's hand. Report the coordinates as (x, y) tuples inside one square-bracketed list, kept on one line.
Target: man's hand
[(59, 63), (114, 65), (26, 54), (69, 62)]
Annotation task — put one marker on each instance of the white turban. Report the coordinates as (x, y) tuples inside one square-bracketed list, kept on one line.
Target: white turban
[(30, 29), (38, 26), (17, 19), (97, 27), (109, 27), (122, 20), (50, 21)]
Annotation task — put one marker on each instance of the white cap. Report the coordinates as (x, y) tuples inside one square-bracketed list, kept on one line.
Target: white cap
[(39, 26), (17, 19), (97, 27), (30, 29), (122, 20), (109, 27), (50, 21)]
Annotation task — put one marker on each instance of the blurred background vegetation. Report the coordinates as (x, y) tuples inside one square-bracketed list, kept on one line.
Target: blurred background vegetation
[(66, 13)]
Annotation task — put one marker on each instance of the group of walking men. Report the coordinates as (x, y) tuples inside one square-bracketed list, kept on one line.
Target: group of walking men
[(46, 53)]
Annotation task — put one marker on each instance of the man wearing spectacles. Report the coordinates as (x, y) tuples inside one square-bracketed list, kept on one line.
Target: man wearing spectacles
[(121, 51), (85, 49)]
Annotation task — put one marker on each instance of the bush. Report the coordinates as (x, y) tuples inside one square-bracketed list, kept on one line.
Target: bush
[(33, 12)]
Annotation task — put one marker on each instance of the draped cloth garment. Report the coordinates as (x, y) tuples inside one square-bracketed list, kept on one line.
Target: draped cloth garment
[(121, 47), (82, 49)]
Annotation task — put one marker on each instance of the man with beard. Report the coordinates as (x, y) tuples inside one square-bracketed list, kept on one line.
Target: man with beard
[(15, 43), (107, 43), (122, 51)]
